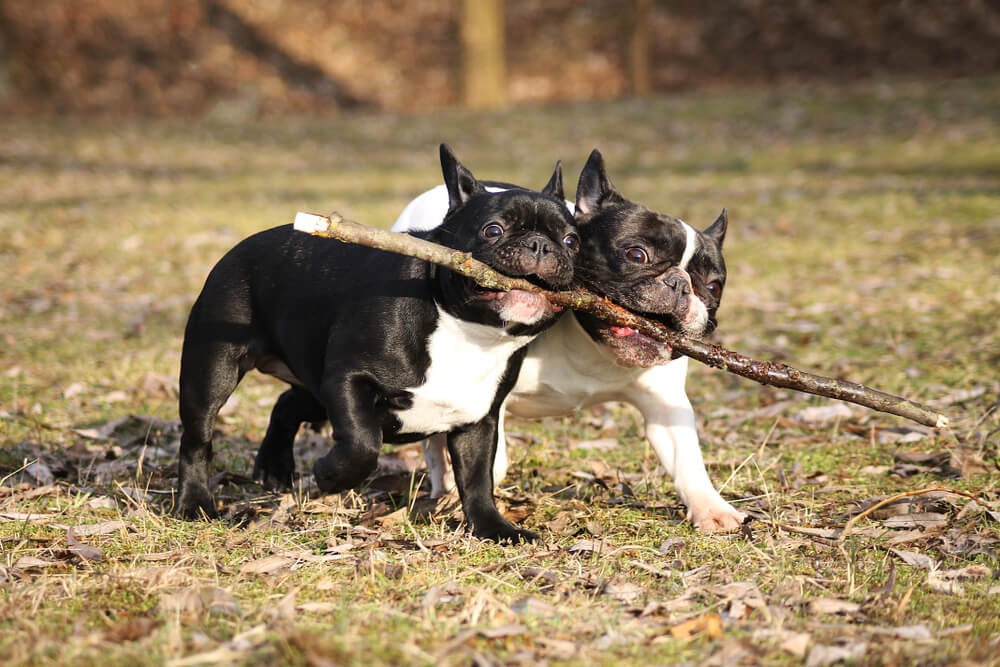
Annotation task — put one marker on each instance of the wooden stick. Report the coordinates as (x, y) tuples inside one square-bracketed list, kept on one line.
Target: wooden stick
[(764, 372)]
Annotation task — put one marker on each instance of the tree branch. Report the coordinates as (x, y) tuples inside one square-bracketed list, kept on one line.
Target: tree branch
[(764, 372)]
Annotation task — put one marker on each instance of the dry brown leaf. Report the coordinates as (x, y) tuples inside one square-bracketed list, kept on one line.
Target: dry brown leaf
[(708, 624), (533, 606), (285, 609), (821, 655), (968, 572), (93, 528), (915, 559), (268, 565), (132, 629), (602, 444), (84, 551), (796, 643), (588, 546), (623, 591), (32, 563), (833, 606), (560, 649), (917, 520)]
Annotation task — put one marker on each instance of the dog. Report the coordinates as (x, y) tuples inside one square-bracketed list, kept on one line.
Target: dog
[(653, 264), (388, 348)]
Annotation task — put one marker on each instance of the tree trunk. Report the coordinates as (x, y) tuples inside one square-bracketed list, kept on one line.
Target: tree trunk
[(484, 71), (638, 47)]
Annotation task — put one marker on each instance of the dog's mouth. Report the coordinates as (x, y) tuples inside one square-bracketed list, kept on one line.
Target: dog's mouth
[(630, 347), (517, 306)]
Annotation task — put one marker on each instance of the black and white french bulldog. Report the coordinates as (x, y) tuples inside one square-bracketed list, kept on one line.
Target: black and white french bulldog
[(388, 348), (653, 264)]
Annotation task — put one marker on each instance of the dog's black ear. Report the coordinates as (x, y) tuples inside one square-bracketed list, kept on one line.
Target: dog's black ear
[(717, 230), (554, 187), (594, 190), (460, 182)]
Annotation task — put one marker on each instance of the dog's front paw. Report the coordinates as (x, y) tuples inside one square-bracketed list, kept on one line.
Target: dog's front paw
[(196, 502), (715, 516), (337, 472), (504, 531), (274, 472)]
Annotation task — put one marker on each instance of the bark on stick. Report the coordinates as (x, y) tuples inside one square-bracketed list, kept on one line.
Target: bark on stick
[(764, 372)]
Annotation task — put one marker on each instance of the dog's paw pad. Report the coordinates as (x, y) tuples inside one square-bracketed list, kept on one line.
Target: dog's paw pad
[(718, 520)]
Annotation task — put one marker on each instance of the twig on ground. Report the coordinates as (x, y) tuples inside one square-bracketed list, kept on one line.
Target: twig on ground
[(893, 498), (764, 372)]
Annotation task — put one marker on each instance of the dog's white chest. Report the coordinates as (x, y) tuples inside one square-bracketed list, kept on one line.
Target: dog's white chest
[(467, 362)]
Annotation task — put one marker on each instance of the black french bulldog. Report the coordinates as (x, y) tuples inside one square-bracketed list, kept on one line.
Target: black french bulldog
[(388, 348)]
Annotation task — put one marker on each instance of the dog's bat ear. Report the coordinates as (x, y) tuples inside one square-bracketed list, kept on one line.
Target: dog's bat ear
[(460, 182), (717, 230), (594, 190), (554, 187)]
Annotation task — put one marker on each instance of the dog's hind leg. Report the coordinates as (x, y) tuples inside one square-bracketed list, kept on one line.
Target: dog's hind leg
[(275, 462), (357, 433), (209, 374)]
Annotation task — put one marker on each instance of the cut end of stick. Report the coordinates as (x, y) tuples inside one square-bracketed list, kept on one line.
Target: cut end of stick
[(310, 223), (942, 421)]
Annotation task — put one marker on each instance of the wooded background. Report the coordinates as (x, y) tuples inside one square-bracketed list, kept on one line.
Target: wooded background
[(263, 57)]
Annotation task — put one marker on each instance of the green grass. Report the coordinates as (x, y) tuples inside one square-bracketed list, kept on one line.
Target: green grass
[(864, 243)]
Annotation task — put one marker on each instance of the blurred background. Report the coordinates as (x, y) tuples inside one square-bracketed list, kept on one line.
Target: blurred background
[(267, 57)]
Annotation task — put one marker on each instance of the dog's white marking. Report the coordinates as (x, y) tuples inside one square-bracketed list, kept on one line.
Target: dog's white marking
[(428, 210), (467, 362), (690, 247)]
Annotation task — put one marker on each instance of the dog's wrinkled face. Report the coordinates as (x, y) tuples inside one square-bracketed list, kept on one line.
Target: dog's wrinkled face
[(519, 233), (653, 264)]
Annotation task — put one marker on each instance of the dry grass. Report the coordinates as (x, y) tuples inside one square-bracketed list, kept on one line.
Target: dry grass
[(864, 243)]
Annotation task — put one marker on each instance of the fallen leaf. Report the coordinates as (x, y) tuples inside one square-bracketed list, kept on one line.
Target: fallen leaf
[(796, 643), (912, 632), (533, 606), (561, 649), (37, 473), (623, 591), (93, 528), (824, 413), (708, 624), (587, 546), (506, 630), (968, 572), (268, 565), (285, 609), (32, 563), (602, 444), (915, 559), (821, 655), (84, 551), (132, 629), (833, 606), (917, 520)]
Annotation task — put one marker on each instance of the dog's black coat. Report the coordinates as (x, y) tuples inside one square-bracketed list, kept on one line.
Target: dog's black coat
[(348, 328)]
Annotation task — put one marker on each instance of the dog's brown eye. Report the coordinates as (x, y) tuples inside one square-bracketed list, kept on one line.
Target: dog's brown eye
[(492, 231), (637, 255), (714, 288), (572, 241)]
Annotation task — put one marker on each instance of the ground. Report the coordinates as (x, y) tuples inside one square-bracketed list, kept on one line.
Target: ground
[(864, 243)]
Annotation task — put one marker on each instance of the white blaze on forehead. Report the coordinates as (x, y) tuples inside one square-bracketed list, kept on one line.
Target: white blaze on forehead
[(690, 245)]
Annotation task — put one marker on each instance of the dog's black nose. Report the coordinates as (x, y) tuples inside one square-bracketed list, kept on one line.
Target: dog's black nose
[(677, 283), (539, 245)]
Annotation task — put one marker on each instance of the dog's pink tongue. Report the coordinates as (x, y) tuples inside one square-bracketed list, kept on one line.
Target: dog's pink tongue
[(622, 332)]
